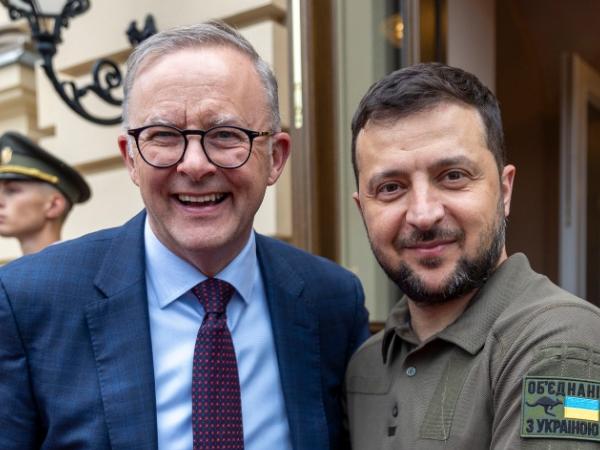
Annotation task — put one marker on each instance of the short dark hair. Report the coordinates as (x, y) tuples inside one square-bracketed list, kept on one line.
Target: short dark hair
[(424, 86)]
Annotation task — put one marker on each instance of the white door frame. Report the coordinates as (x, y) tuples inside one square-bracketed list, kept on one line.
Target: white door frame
[(580, 86)]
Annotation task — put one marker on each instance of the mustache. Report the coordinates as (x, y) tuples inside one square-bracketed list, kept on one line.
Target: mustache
[(417, 236)]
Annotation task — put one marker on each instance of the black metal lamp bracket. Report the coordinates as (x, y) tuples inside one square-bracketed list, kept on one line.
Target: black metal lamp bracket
[(106, 75)]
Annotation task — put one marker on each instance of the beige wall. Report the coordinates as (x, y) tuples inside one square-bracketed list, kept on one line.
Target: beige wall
[(29, 104), (472, 38)]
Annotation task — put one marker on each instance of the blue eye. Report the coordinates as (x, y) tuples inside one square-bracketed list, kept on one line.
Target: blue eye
[(158, 136), (164, 134), (226, 137), (223, 134)]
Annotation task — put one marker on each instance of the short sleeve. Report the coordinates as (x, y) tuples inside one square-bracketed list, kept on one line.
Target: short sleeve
[(546, 384)]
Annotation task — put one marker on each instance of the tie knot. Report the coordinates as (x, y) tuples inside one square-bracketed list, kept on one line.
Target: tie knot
[(213, 294)]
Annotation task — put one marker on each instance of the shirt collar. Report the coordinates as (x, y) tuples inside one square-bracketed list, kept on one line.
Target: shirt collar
[(472, 327), (172, 276)]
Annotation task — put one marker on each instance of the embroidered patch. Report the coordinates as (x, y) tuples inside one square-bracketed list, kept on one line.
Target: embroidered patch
[(563, 408)]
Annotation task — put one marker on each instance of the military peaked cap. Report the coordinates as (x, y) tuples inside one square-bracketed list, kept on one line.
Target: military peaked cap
[(22, 159)]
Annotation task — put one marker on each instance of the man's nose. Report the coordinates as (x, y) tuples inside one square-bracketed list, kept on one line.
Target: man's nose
[(195, 163), (425, 208)]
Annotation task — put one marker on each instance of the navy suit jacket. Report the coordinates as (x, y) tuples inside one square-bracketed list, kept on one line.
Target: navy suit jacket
[(76, 366)]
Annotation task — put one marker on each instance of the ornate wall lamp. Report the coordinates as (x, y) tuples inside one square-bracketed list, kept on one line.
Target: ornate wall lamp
[(46, 19)]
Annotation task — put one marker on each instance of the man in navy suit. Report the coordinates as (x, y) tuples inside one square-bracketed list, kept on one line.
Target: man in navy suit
[(98, 334)]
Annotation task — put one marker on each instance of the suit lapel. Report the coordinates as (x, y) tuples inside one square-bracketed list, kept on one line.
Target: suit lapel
[(295, 323), (120, 336)]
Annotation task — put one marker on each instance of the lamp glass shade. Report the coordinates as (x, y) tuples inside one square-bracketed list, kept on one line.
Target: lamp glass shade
[(45, 7)]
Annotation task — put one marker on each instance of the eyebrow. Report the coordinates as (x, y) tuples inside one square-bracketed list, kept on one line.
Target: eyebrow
[(223, 120), (460, 160), (158, 120), (217, 121), (226, 120)]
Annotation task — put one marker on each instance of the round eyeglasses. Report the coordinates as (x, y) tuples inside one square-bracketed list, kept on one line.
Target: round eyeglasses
[(164, 146)]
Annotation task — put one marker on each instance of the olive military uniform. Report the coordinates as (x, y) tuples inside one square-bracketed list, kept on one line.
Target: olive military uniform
[(520, 368)]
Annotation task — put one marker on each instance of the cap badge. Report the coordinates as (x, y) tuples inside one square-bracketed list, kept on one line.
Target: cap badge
[(5, 155)]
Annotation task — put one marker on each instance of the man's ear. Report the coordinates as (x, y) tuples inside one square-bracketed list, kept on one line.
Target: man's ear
[(128, 159), (506, 184), (56, 205), (280, 151), (356, 199)]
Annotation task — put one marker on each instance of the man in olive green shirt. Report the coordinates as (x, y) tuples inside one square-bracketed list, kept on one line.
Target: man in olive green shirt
[(481, 352)]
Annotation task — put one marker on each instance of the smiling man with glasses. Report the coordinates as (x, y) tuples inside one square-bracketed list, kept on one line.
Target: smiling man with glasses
[(183, 328)]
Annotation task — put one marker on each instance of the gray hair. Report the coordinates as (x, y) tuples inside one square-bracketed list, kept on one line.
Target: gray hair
[(212, 33)]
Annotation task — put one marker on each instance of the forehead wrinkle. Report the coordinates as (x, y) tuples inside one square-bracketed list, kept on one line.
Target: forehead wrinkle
[(217, 98), (218, 119)]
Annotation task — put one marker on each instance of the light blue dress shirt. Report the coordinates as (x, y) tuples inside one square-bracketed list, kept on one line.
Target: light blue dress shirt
[(176, 316)]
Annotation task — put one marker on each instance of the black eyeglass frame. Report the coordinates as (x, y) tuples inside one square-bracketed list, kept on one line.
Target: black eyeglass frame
[(252, 134)]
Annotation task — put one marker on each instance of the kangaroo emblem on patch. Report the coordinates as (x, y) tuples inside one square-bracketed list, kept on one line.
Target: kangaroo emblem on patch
[(547, 403)]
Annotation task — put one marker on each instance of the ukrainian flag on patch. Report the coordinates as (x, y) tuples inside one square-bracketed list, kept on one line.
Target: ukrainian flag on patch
[(582, 408)]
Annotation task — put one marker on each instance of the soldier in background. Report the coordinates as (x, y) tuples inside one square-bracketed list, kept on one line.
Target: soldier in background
[(37, 192)]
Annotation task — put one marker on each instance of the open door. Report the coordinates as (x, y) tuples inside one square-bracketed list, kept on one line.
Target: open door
[(580, 179)]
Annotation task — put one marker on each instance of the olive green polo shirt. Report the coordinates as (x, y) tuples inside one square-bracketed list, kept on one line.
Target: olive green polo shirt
[(520, 368)]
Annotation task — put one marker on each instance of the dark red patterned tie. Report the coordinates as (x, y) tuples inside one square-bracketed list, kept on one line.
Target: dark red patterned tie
[(216, 402)]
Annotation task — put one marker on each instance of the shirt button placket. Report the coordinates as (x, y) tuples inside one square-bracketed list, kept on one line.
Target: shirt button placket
[(393, 422)]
